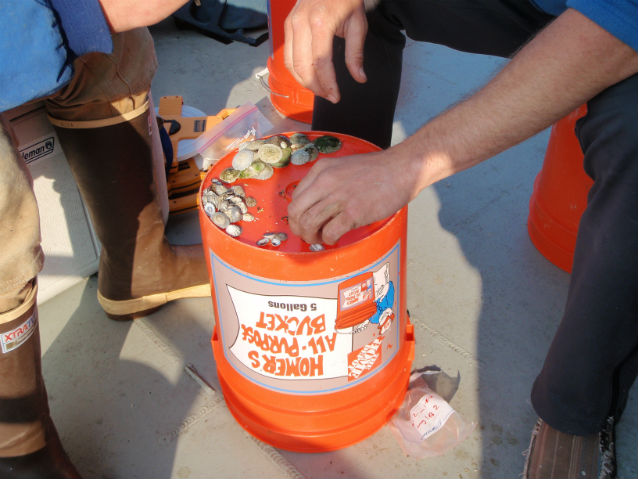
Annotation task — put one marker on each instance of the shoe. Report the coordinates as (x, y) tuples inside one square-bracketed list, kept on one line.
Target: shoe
[(556, 455), (114, 165), (29, 443)]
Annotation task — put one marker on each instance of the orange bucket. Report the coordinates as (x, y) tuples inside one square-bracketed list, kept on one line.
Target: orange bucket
[(313, 349), (560, 194), (286, 94)]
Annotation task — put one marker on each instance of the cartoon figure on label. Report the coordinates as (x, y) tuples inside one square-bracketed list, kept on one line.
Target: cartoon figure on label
[(384, 299)]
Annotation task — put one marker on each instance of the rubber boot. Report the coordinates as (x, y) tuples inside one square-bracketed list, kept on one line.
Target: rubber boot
[(29, 443), (112, 162)]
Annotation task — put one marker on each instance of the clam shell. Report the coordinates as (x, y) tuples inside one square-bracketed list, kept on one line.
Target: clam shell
[(316, 247), (209, 208), (263, 241), (234, 213), (327, 144), (252, 145), (297, 140), (238, 190), (220, 220), (243, 159), (247, 217), (251, 201), (233, 230), (229, 175), (219, 189)]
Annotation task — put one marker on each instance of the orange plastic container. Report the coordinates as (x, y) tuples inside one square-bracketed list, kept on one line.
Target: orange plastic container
[(289, 376), (286, 94), (560, 194)]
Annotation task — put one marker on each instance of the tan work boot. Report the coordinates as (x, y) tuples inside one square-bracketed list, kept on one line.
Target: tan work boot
[(556, 455), (29, 443), (112, 162)]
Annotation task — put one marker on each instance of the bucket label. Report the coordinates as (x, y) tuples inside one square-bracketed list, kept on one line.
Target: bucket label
[(309, 337)]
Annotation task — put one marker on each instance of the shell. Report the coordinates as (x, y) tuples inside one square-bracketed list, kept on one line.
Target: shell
[(238, 190), (252, 145), (219, 189), (275, 241), (233, 230), (316, 247), (243, 159), (269, 153), (263, 241), (259, 170), (250, 201), (297, 140), (229, 175), (234, 213), (247, 217), (209, 208), (220, 220), (300, 157), (327, 144)]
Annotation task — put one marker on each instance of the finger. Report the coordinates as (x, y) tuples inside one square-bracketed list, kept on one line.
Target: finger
[(355, 35), (312, 221), (335, 228), (301, 63), (322, 38), (310, 177)]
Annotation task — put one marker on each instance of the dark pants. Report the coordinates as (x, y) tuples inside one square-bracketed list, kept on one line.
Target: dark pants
[(592, 361)]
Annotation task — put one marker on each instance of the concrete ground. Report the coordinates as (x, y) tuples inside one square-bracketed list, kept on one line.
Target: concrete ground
[(142, 399)]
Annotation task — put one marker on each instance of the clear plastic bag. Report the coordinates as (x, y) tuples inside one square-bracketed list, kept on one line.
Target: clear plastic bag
[(244, 124), (426, 425)]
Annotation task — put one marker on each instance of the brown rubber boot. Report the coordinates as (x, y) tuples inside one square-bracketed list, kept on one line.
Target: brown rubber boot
[(29, 443), (112, 162)]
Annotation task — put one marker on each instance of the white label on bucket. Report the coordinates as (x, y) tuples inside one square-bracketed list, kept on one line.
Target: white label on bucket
[(289, 337), (429, 414)]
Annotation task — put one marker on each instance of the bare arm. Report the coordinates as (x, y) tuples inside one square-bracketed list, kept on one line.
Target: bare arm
[(123, 15), (568, 63)]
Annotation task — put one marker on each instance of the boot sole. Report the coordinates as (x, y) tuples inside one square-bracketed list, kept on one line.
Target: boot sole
[(127, 309)]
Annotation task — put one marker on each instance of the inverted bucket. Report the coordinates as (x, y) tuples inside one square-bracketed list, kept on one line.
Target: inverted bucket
[(286, 94), (313, 349), (560, 195)]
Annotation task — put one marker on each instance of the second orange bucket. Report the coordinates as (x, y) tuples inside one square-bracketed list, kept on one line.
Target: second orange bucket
[(313, 348)]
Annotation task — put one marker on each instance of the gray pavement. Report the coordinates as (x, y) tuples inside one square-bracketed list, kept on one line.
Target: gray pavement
[(142, 399)]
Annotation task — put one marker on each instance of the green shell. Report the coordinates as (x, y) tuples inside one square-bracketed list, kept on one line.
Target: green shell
[(274, 155), (229, 175), (328, 144), (297, 140), (258, 170)]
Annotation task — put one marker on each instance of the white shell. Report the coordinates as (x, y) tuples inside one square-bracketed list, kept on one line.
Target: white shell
[(243, 159), (233, 230)]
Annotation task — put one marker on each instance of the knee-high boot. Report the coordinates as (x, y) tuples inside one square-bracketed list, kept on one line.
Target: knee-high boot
[(112, 162), (29, 443)]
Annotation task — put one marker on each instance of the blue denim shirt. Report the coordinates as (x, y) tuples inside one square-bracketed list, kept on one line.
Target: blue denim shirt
[(39, 40), (618, 17)]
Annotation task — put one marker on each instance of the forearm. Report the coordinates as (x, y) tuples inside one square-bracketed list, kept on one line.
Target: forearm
[(125, 15), (565, 65)]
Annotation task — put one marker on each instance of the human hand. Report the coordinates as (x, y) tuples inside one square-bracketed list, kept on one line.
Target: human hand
[(309, 32), (341, 194)]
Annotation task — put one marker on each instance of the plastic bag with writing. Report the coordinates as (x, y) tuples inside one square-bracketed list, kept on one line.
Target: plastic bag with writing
[(425, 424), (244, 124)]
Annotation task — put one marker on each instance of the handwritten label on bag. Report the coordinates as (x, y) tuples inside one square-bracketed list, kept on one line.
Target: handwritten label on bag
[(430, 414)]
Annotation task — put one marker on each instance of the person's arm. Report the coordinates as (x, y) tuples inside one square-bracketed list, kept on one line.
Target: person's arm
[(310, 28), (565, 65), (123, 15)]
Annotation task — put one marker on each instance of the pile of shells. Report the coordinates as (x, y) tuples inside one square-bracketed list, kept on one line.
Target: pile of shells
[(272, 238), (227, 205), (257, 158)]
